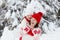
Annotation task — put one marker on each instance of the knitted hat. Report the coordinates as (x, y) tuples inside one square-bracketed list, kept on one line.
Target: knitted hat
[(37, 16)]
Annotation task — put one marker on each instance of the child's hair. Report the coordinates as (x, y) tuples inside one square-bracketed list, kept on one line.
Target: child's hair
[(36, 25)]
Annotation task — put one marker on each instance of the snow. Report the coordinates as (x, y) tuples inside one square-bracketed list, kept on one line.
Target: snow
[(1, 2), (14, 35), (7, 15), (51, 36), (6, 34), (45, 27), (52, 33), (36, 7)]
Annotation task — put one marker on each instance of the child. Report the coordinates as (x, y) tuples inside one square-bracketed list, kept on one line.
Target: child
[(31, 31)]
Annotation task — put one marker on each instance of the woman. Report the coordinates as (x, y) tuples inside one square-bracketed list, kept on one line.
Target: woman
[(31, 31)]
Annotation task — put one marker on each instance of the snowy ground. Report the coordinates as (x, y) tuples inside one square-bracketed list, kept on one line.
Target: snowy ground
[(51, 35), (14, 35)]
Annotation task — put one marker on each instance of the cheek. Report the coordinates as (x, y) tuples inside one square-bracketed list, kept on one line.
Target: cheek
[(33, 23)]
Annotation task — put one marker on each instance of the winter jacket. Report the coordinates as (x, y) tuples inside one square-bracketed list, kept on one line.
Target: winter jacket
[(30, 34)]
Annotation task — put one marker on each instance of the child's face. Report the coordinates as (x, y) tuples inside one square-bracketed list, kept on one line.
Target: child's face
[(33, 22)]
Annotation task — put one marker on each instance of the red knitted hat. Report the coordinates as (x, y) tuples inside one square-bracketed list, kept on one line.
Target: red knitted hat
[(37, 16)]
